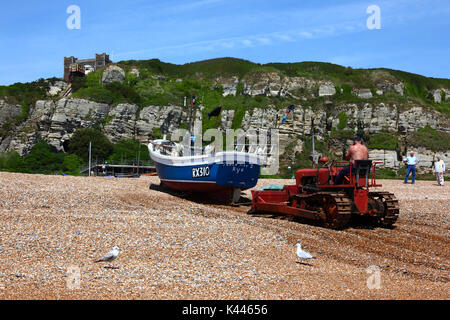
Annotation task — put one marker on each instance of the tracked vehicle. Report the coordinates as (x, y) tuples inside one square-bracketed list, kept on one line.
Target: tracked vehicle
[(316, 197)]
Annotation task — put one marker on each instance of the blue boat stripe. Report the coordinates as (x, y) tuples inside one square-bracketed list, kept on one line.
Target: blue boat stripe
[(190, 181)]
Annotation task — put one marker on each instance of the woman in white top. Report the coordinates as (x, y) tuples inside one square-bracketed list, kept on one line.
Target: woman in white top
[(439, 169)]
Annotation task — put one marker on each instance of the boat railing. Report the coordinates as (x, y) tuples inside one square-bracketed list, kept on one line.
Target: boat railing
[(254, 148), (260, 150)]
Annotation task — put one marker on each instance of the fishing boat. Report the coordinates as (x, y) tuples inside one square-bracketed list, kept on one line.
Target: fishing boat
[(221, 175)]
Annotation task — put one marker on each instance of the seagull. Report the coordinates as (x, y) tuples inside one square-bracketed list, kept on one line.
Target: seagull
[(110, 256), (303, 254)]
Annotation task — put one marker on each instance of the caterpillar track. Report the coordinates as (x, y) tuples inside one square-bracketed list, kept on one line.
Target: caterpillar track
[(391, 208), (334, 208), (321, 194)]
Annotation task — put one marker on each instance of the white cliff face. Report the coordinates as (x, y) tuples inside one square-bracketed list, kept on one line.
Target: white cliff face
[(272, 84), (427, 157), (363, 93), (371, 118), (392, 160), (388, 158), (417, 117), (71, 114), (8, 111), (155, 117), (122, 122), (229, 85), (387, 86), (57, 121), (327, 89)]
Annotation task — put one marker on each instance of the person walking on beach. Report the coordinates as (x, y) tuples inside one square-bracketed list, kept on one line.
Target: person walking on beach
[(411, 161), (439, 169)]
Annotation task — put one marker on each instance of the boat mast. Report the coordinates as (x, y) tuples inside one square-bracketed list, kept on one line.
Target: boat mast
[(313, 145), (90, 157), (190, 115)]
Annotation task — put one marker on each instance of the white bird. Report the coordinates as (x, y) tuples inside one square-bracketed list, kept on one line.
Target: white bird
[(110, 256), (303, 254)]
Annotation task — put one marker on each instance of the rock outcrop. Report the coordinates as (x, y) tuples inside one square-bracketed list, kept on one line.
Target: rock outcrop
[(56, 88), (271, 84), (228, 84), (397, 87), (113, 74), (363, 93), (327, 89), (227, 117), (437, 95), (7, 114), (166, 119), (122, 122), (389, 158), (8, 111)]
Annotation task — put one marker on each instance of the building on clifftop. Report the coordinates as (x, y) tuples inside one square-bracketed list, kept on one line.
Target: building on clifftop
[(74, 66)]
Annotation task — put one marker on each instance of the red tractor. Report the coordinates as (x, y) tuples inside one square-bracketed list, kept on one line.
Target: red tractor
[(316, 197)]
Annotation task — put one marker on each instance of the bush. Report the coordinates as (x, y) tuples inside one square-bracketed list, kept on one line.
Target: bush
[(123, 93), (383, 141), (11, 161), (102, 148), (78, 83), (430, 138), (341, 134), (42, 160), (128, 149), (72, 163), (98, 94), (25, 93), (343, 120)]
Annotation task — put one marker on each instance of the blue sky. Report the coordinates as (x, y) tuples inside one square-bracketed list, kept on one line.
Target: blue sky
[(414, 34)]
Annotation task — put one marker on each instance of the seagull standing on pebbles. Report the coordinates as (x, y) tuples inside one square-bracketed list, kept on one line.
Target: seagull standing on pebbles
[(303, 254), (110, 256)]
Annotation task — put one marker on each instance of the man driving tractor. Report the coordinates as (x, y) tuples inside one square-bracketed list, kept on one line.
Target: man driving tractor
[(356, 152)]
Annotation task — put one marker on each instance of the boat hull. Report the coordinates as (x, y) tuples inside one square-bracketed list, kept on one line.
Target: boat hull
[(221, 175), (209, 177)]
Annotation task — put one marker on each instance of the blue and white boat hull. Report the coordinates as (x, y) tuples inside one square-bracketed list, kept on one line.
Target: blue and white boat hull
[(219, 172)]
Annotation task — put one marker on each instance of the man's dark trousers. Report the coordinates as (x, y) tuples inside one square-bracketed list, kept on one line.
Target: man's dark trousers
[(408, 171), (344, 172)]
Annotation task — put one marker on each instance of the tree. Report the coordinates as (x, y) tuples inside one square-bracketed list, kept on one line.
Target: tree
[(102, 148), (72, 164), (11, 161), (42, 160), (128, 149)]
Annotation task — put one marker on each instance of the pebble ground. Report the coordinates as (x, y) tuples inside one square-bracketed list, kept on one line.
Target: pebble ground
[(52, 228)]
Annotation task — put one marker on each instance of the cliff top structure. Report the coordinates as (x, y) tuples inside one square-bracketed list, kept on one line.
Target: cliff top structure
[(100, 61)]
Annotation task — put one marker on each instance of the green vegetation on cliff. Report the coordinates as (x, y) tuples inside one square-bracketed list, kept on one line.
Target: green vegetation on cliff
[(162, 84), (431, 138), (384, 141)]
